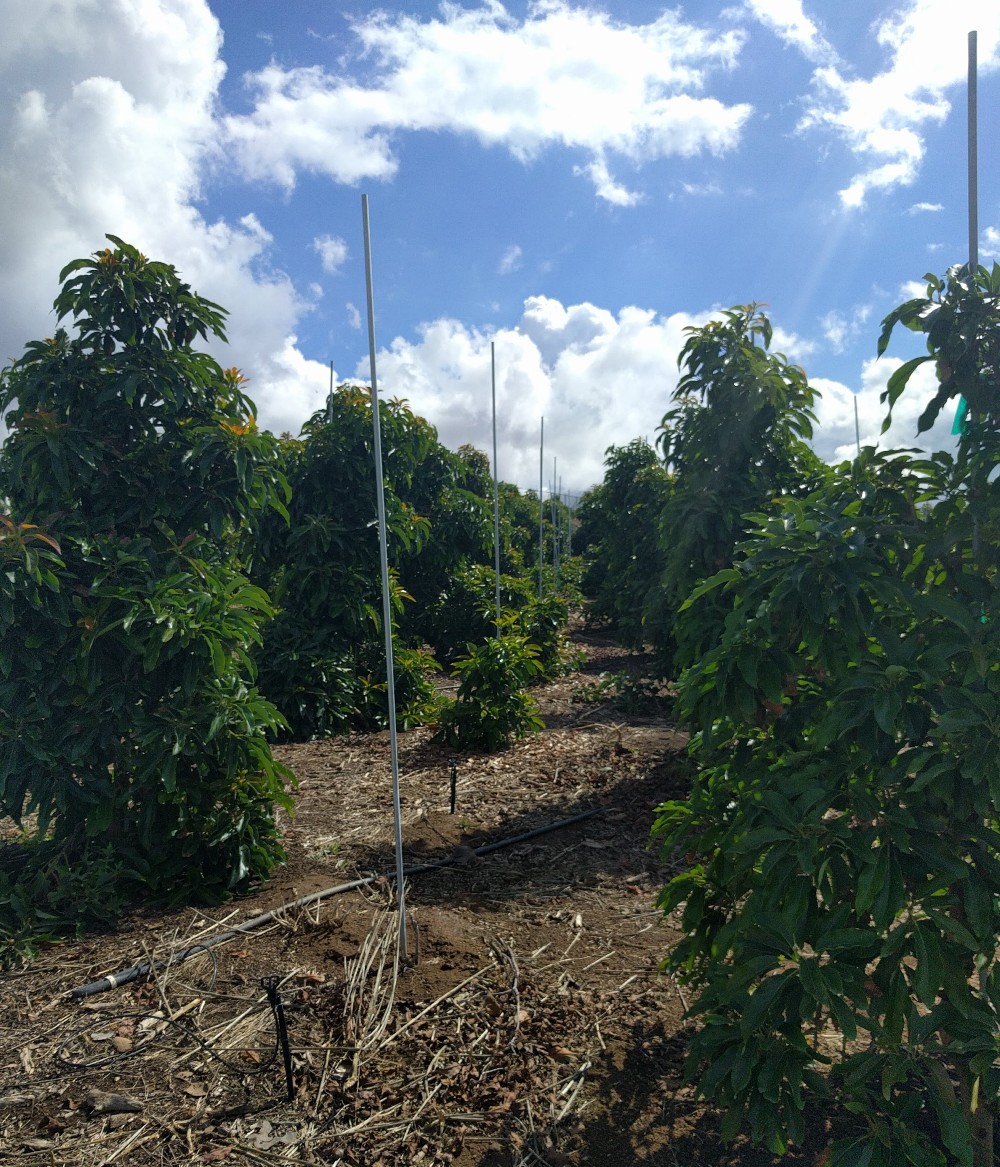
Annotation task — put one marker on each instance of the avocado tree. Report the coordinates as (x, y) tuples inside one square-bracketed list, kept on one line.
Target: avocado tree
[(620, 536), (734, 439), (323, 664), (129, 721), (841, 910)]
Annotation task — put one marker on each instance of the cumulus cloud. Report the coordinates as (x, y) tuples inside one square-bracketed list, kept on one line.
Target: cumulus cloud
[(605, 186), (332, 251), (590, 371), (796, 348), (989, 244), (295, 388), (108, 123), (110, 120), (883, 118), (921, 208), (912, 290), (566, 76), (834, 438), (587, 370), (787, 20)]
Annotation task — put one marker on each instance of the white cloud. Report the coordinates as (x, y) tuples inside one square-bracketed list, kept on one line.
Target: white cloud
[(107, 123), (787, 20), (701, 189), (920, 208), (564, 76), (510, 261), (294, 388), (332, 251), (588, 371), (842, 329), (795, 348), (882, 118), (989, 244), (912, 290), (834, 438), (605, 186), (109, 120)]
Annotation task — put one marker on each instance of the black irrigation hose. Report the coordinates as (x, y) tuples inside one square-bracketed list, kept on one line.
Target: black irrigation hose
[(126, 976)]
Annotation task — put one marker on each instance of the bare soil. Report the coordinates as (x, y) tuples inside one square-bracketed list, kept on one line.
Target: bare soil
[(527, 1023)]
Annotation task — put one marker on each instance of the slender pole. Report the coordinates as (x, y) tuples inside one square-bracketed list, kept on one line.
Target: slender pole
[(329, 400), (857, 427), (569, 527), (386, 603), (541, 506), (973, 157), (973, 145), (555, 525), (496, 482), (559, 532)]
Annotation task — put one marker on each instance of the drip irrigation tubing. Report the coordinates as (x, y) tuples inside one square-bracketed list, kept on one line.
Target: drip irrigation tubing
[(126, 976)]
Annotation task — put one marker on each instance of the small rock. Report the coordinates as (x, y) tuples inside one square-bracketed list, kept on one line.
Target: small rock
[(103, 1102)]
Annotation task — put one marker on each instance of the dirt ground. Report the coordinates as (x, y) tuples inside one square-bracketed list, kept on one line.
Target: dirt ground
[(528, 1022)]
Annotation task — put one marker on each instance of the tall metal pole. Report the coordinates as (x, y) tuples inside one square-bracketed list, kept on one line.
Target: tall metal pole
[(541, 506), (386, 603), (857, 427), (496, 482), (559, 528), (973, 140), (555, 524), (569, 529), (973, 156)]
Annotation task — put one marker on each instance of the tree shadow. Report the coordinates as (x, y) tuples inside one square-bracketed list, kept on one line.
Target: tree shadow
[(645, 1114)]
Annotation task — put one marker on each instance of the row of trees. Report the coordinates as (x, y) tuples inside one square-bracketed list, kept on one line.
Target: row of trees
[(180, 588), (835, 633)]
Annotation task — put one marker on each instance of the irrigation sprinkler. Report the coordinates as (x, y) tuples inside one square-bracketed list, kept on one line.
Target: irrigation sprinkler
[(386, 602)]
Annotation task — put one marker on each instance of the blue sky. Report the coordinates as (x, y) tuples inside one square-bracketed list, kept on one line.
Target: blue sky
[(577, 183)]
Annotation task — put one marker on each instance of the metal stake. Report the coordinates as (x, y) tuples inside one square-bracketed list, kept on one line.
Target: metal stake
[(386, 603)]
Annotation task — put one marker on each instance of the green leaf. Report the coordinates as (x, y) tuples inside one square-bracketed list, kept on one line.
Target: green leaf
[(897, 383), (955, 1132), (928, 976), (761, 1002)]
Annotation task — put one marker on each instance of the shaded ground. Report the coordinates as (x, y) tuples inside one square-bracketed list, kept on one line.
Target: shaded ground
[(528, 1023)]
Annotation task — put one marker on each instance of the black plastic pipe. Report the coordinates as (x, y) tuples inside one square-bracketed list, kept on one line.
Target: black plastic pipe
[(126, 976)]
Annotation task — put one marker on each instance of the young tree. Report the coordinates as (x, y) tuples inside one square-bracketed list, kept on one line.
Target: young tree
[(734, 440), (841, 914), (620, 536), (324, 661), (129, 721)]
